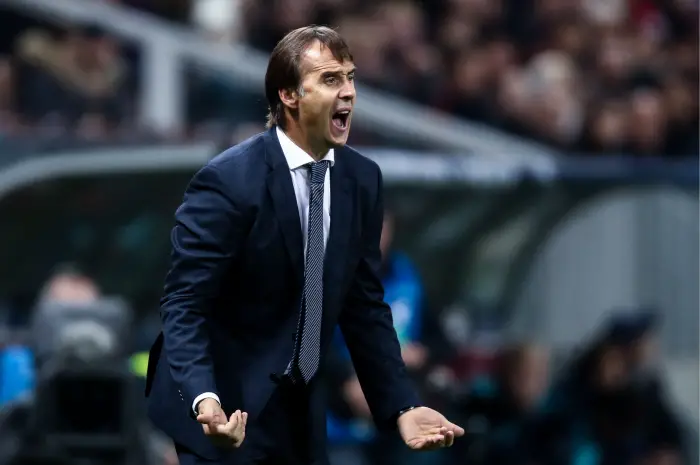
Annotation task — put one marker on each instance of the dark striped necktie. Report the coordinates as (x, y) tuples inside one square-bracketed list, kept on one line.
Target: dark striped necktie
[(307, 346)]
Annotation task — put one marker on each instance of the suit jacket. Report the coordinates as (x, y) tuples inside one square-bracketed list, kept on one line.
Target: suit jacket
[(232, 295)]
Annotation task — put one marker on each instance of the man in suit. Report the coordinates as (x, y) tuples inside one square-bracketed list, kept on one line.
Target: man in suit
[(276, 243)]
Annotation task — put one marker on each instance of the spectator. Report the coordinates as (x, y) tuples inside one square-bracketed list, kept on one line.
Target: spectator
[(349, 414), (576, 75), (70, 286), (666, 436), (80, 77), (589, 414), (596, 76), (605, 410), (499, 411), (17, 362), (9, 124), (649, 122), (608, 127)]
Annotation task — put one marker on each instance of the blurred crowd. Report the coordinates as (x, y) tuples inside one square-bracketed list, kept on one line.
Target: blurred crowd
[(605, 76), (604, 404), (602, 76)]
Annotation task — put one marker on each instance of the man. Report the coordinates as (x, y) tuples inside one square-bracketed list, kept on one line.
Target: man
[(17, 361), (349, 415), (275, 243)]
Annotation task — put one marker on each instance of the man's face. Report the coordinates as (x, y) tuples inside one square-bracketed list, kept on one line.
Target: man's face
[(328, 96)]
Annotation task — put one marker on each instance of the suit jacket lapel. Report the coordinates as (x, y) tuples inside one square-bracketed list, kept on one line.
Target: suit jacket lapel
[(341, 217), (336, 249), (279, 184)]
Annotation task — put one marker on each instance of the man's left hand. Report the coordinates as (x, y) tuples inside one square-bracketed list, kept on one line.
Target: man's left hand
[(425, 429)]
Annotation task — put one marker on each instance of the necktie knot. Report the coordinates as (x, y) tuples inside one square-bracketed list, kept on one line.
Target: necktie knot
[(318, 171)]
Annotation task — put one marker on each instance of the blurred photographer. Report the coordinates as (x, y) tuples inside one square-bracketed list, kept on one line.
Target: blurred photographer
[(499, 410), (82, 406), (609, 407), (17, 371)]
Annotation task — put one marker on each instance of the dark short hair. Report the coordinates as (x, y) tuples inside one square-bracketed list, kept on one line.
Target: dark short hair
[(283, 68)]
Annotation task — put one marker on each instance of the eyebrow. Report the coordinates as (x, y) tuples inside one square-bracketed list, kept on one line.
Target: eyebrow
[(337, 72)]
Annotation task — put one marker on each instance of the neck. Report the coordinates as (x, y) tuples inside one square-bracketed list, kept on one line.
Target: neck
[(316, 150)]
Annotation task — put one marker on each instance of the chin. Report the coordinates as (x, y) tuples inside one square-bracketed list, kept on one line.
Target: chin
[(337, 142)]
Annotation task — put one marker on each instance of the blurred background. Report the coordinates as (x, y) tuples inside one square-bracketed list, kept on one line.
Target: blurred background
[(541, 238)]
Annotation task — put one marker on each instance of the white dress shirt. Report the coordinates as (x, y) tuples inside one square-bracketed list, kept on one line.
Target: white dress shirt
[(296, 159)]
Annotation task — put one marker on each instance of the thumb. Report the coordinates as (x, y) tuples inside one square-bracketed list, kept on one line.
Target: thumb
[(456, 429)]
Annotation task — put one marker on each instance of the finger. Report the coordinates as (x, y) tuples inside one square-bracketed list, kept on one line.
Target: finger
[(234, 422), (456, 429), (430, 442), (240, 427), (431, 445), (235, 418), (245, 419), (238, 435), (228, 428), (449, 438), (224, 430), (207, 419)]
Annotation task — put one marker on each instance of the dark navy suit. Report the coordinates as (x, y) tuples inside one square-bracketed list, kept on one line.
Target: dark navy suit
[(232, 298)]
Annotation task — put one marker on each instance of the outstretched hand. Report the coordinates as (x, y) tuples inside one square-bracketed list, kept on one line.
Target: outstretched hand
[(426, 429), (222, 432)]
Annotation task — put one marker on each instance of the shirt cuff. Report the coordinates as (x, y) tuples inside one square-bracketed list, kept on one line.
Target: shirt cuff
[(402, 411), (201, 397)]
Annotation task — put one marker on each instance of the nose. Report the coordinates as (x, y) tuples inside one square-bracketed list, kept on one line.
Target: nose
[(347, 92)]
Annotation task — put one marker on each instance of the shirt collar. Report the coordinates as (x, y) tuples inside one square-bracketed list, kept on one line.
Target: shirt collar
[(296, 157)]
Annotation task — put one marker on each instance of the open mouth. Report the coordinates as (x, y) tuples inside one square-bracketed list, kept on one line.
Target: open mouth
[(341, 118)]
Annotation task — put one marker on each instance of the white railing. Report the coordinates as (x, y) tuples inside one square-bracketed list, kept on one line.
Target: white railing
[(397, 166), (166, 47)]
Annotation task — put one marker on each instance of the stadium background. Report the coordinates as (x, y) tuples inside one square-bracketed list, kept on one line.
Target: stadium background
[(540, 159)]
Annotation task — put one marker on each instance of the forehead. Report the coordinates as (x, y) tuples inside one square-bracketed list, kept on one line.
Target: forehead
[(318, 58)]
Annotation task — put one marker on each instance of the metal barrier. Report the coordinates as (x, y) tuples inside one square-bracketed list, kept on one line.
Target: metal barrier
[(166, 47)]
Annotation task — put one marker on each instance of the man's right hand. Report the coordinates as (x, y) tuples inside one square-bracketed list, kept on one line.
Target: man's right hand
[(222, 432)]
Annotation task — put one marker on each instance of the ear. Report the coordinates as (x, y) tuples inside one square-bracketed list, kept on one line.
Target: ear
[(289, 98)]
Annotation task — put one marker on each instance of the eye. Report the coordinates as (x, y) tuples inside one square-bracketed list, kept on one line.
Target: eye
[(331, 80)]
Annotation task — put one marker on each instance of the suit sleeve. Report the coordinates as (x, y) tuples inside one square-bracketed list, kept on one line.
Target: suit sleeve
[(207, 235), (369, 333)]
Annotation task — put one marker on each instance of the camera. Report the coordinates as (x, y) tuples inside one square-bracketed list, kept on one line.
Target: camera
[(85, 408)]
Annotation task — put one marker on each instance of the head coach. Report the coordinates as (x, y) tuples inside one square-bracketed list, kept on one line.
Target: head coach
[(277, 242)]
